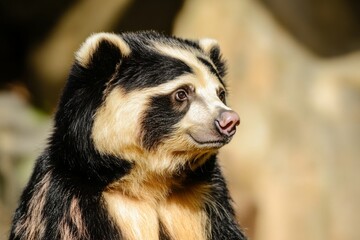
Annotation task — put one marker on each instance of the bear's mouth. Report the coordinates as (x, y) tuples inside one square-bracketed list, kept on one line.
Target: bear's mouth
[(212, 143)]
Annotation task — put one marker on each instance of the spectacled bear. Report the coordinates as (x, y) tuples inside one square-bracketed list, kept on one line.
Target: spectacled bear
[(133, 150)]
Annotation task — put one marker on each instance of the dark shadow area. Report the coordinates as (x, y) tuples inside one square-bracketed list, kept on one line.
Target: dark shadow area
[(24, 24), (329, 28), (144, 15)]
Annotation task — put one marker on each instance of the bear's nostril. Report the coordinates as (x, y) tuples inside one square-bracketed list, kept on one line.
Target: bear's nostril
[(226, 122)]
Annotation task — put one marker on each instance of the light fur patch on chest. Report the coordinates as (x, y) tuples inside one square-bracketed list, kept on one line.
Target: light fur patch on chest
[(136, 219), (181, 214)]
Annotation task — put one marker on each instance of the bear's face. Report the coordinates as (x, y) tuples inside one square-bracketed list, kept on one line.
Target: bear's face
[(163, 97)]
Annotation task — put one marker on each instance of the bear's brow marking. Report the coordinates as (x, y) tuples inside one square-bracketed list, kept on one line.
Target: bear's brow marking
[(191, 58)]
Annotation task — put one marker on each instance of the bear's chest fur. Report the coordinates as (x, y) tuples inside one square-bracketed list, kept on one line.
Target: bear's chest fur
[(180, 215)]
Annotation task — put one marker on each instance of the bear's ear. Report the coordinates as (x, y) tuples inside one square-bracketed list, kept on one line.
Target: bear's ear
[(101, 52), (211, 48), (207, 44)]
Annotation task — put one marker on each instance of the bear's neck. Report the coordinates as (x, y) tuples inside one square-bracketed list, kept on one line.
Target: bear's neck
[(148, 203), (154, 180)]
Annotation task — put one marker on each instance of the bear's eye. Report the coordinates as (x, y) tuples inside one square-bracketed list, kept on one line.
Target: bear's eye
[(181, 95), (222, 95)]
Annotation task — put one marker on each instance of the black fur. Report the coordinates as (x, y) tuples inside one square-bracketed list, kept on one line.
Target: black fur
[(146, 64), (219, 62), (75, 170), (223, 227), (71, 149), (159, 120), (163, 234)]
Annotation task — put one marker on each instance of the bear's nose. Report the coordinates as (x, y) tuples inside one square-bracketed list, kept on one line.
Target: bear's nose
[(226, 122)]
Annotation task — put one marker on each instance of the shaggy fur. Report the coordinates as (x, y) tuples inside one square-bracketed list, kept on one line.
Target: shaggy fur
[(130, 157)]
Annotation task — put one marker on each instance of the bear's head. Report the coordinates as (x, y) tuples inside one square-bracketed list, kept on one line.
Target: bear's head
[(148, 99)]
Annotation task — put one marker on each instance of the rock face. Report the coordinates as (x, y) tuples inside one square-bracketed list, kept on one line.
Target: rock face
[(293, 165)]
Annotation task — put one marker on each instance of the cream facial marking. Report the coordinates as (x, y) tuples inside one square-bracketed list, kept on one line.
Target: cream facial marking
[(116, 132), (205, 107), (206, 83), (116, 128), (211, 67), (190, 58)]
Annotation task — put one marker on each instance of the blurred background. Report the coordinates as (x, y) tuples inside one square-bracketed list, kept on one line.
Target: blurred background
[(294, 77)]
